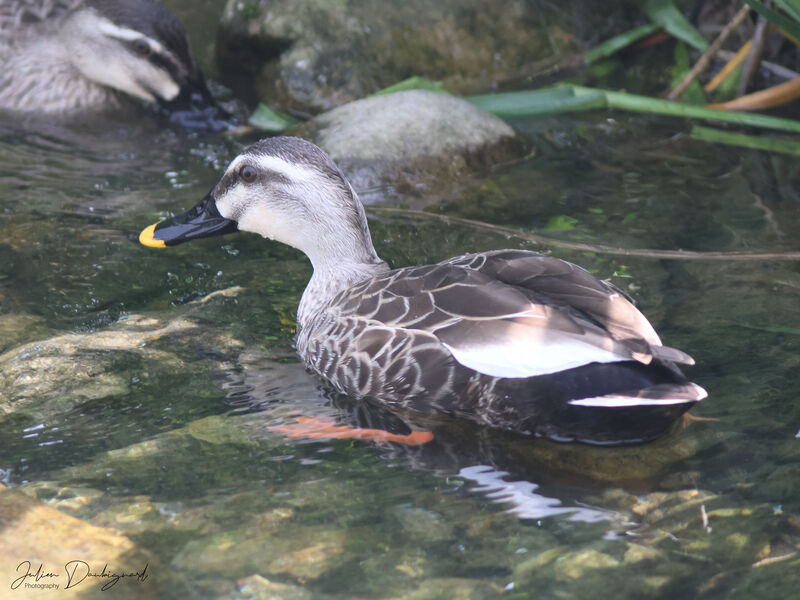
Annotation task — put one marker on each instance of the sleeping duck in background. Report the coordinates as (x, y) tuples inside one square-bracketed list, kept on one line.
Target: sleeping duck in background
[(511, 339), (78, 56)]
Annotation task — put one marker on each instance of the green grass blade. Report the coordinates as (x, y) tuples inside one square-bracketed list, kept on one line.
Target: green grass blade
[(666, 14), (569, 98), (618, 42), (412, 83), (782, 21), (538, 103), (730, 138), (267, 119), (657, 106), (790, 7)]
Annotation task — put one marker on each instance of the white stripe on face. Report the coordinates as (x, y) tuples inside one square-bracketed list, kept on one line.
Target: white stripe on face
[(292, 171), (108, 29)]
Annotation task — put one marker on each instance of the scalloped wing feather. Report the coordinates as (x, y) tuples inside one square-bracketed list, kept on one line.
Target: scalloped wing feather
[(16, 14), (561, 318), (564, 283)]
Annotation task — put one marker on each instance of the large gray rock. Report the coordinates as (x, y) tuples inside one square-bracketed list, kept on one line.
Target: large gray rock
[(313, 55), (417, 142)]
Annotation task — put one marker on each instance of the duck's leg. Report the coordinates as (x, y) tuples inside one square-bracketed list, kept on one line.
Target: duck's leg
[(315, 428), (687, 419)]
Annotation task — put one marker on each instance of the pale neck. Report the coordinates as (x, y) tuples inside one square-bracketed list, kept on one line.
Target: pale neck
[(331, 277)]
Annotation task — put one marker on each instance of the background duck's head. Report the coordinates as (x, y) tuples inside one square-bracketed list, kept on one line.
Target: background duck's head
[(140, 48), (286, 189)]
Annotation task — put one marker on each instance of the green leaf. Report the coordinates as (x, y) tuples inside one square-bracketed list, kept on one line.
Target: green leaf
[(412, 83), (657, 106), (249, 11), (708, 134), (603, 68), (781, 21), (694, 93), (622, 272), (791, 7), (267, 119), (561, 223), (569, 98), (666, 14), (538, 103), (729, 87), (618, 42)]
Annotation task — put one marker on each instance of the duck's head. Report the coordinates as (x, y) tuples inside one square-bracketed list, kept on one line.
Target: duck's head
[(285, 189), (140, 48)]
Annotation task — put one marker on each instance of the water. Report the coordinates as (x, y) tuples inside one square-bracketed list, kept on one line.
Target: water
[(181, 440)]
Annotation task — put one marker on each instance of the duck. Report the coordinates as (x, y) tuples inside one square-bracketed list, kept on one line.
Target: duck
[(510, 339), (68, 57)]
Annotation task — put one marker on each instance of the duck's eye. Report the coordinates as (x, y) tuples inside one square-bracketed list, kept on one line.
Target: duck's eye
[(141, 47), (248, 174)]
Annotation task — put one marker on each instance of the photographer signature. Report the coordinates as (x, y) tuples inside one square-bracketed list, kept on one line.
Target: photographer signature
[(76, 571)]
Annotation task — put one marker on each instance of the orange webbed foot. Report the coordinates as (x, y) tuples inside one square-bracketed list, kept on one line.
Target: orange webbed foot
[(317, 428)]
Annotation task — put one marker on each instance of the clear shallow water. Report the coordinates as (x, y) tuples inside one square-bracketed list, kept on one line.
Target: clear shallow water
[(179, 440)]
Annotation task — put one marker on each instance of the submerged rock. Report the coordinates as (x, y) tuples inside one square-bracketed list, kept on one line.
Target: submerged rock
[(280, 547), (421, 525), (66, 369), (15, 329), (312, 55), (34, 535), (453, 588), (53, 375), (416, 142), (258, 587), (699, 526)]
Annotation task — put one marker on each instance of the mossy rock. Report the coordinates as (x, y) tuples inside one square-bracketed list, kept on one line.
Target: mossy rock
[(313, 56)]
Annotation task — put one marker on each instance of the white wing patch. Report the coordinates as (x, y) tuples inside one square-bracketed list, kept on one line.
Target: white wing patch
[(527, 345), (681, 394), (529, 357), (616, 401)]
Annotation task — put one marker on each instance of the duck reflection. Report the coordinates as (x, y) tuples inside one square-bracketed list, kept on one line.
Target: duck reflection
[(533, 478)]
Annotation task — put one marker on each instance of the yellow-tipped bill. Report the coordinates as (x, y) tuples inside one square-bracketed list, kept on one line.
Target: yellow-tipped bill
[(146, 238), (201, 221)]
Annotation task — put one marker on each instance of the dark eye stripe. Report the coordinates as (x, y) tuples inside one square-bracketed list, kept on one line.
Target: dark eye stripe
[(161, 61), (232, 178)]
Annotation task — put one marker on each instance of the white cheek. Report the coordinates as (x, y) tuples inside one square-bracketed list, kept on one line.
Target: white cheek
[(231, 203), (255, 214), (105, 61), (273, 225)]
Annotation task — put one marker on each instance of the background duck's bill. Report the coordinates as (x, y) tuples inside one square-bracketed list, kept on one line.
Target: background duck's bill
[(201, 221), (195, 108)]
